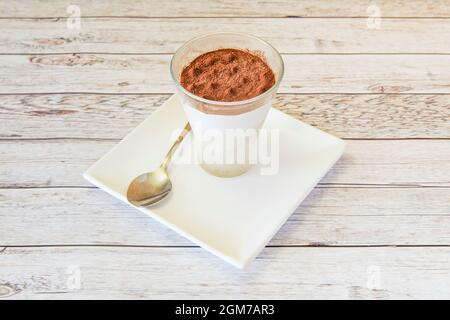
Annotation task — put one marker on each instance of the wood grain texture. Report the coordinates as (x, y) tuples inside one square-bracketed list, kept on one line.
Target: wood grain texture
[(328, 217), (102, 73), (278, 273), (287, 35), (97, 116), (44, 163), (230, 8)]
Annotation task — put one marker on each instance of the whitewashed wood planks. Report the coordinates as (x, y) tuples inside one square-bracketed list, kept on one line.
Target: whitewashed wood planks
[(103, 73), (230, 8), (343, 216), (97, 116), (278, 273), (36, 163), (163, 36)]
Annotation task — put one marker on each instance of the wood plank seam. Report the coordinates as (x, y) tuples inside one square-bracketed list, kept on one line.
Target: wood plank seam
[(9, 139), (58, 18), (320, 185), (171, 53), (169, 94), (315, 245)]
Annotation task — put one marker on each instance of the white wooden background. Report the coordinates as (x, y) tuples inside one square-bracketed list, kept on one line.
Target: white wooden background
[(377, 226)]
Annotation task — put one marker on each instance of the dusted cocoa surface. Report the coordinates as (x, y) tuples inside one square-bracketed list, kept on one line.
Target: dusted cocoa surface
[(227, 75)]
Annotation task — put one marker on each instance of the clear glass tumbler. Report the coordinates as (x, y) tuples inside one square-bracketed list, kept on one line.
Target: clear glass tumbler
[(212, 118)]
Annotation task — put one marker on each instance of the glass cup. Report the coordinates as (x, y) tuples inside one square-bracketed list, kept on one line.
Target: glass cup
[(216, 123)]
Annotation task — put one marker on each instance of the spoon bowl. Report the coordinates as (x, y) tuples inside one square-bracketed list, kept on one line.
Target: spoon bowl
[(151, 187)]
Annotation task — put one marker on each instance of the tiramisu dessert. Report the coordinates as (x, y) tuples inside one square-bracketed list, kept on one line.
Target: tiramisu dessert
[(226, 82)]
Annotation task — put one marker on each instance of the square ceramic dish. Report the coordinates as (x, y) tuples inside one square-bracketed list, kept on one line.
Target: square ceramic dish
[(234, 218)]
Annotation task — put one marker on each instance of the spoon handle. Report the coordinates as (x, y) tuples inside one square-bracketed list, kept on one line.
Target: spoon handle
[(175, 145)]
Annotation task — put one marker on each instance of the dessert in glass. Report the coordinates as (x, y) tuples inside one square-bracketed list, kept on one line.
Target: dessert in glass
[(226, 83)]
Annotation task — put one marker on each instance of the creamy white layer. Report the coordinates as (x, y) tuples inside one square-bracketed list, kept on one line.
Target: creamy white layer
[(203, 123)]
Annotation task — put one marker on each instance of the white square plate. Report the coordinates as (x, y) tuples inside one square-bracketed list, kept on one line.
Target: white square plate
[(233, 218)]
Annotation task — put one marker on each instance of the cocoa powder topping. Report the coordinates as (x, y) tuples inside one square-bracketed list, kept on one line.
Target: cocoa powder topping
[(227, 75)]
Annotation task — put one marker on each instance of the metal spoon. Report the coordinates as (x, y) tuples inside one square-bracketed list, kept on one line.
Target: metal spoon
[(151, 187)]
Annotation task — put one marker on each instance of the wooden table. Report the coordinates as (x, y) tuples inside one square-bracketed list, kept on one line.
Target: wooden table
[(377, 226)]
